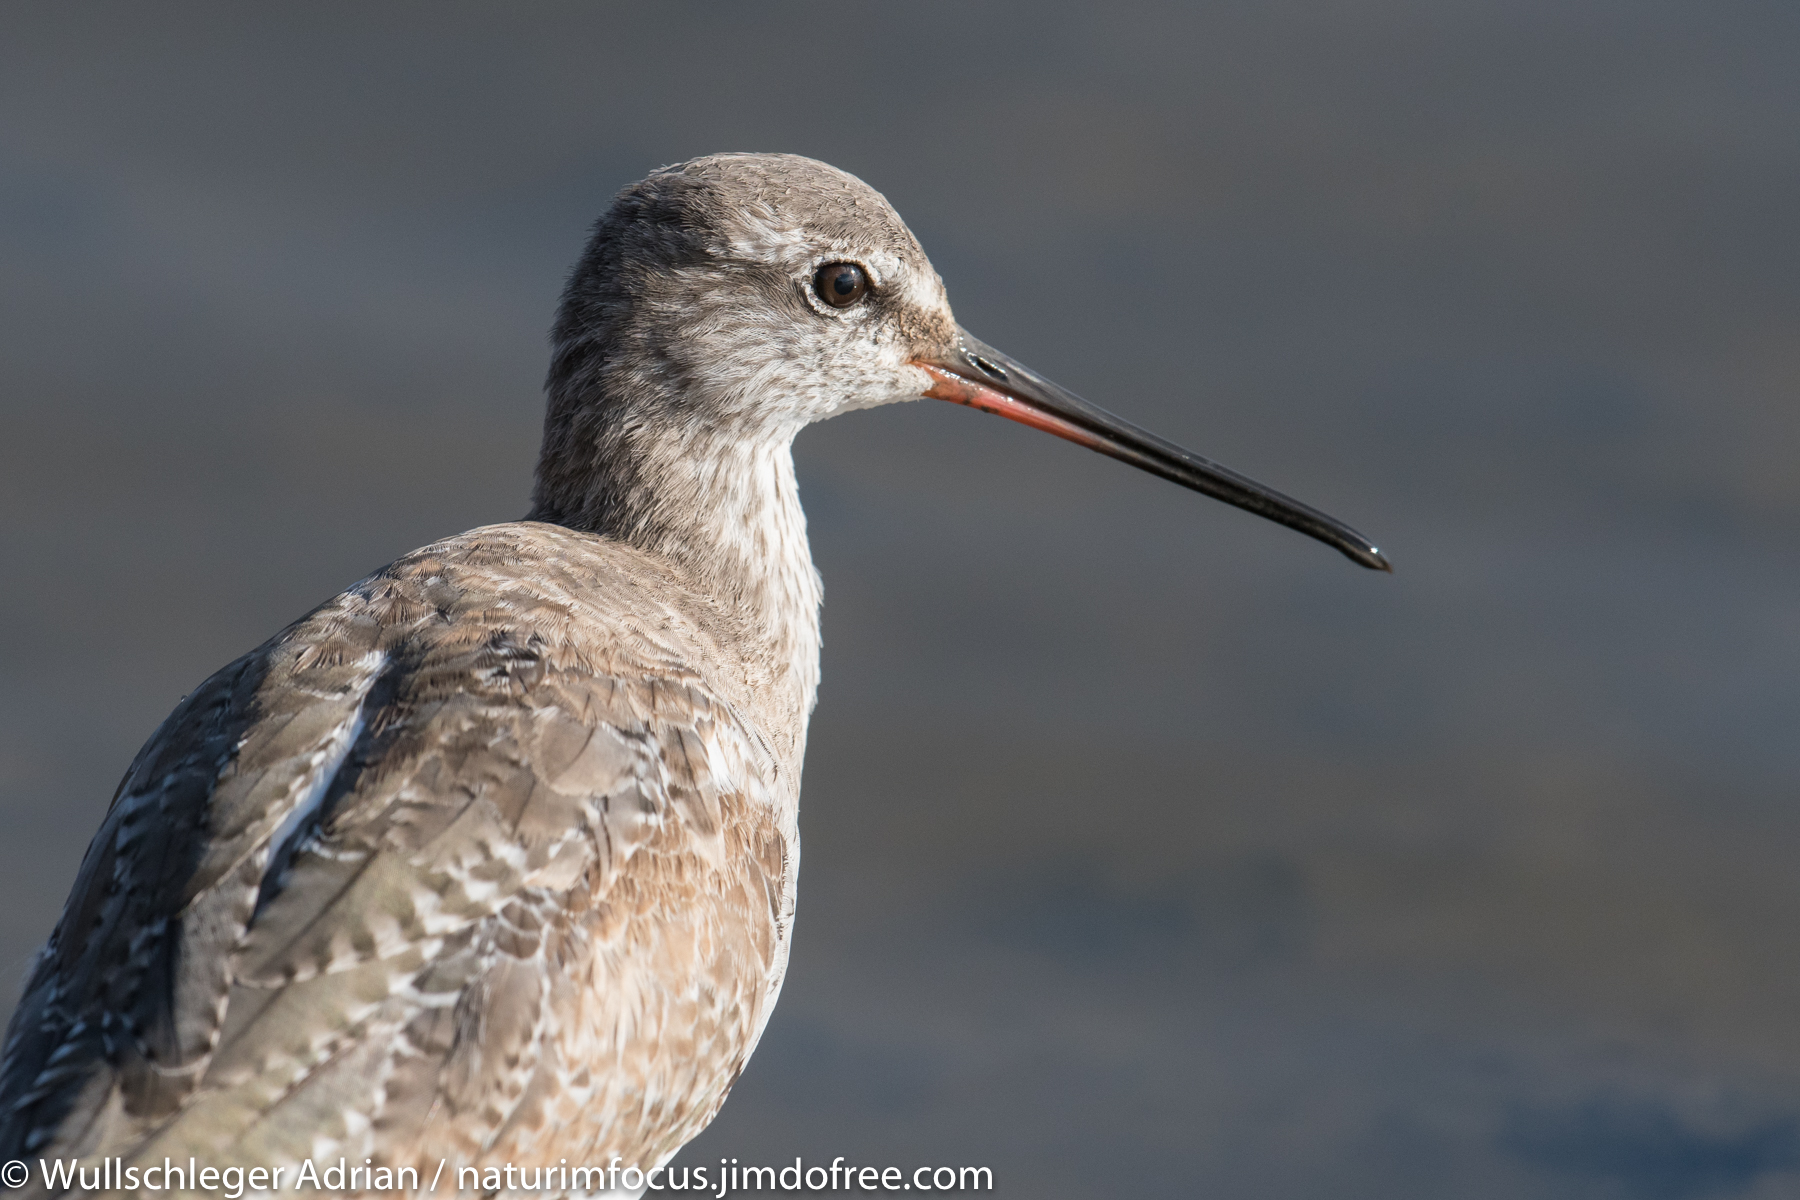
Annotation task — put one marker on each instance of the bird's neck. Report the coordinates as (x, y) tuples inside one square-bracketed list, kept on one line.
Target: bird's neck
[(724, 510)]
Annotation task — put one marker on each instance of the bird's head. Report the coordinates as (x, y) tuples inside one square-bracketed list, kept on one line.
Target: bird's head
[(739, 297), (754, 291)]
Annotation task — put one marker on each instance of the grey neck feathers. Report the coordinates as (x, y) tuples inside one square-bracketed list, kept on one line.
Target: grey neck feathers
[(718, 503)]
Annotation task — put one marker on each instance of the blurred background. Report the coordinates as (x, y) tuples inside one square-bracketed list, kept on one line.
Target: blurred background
[(1151, 850)]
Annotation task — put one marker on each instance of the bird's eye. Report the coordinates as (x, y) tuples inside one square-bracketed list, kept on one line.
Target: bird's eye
[(841, 284)]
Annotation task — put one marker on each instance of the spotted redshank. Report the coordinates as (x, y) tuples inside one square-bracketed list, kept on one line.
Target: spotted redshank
[(491, 858)]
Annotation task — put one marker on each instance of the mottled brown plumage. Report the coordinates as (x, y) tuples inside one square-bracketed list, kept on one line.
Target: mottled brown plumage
[(544, 914), (491, 858)]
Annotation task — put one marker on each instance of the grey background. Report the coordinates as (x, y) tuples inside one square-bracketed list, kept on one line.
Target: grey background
[(1151, 850)]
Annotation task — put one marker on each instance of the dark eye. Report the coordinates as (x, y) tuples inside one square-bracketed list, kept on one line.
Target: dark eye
[(841, 284)]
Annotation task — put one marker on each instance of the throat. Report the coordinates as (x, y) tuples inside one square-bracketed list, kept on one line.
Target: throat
[(724, 511)]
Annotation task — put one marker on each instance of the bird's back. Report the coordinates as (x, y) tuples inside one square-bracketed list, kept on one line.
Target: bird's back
[(489, 859)]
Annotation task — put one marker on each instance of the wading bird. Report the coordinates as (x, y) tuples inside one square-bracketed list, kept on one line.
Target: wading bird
[(491, 858)]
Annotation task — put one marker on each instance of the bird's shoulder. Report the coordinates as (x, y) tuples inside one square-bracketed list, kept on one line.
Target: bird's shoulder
[(501, 718)]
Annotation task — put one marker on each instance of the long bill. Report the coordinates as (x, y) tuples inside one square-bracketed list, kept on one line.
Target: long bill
[(981, 377)]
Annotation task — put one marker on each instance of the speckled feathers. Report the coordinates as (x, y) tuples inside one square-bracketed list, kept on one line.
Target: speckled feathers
[(492, 857)]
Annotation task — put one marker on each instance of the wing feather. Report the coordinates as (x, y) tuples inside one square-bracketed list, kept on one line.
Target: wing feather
[(431, 870)]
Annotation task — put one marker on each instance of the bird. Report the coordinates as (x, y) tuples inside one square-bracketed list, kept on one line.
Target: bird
[(492, 858)]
